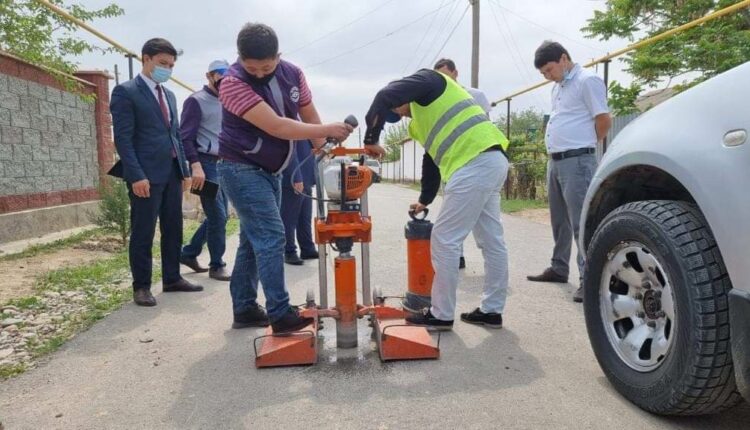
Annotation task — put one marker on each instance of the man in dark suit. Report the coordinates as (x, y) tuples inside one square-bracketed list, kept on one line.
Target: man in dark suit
[(296, 209), (152, 162)]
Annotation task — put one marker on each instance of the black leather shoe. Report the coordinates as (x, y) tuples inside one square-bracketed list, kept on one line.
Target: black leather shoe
[(254, 317), (192, 263), (492, 320), (427, 319), (143, 297), (291, 321), (220, 274), (462, 263), (181, 286), (310, 255), (293, 259), (548, 275), (578, 295)]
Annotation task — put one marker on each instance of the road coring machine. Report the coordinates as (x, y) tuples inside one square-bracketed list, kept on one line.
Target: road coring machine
[(342, 220)]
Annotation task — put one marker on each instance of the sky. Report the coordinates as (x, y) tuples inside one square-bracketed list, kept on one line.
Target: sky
[(348, 49)]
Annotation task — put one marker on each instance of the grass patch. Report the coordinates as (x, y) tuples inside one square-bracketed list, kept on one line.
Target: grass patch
[(100, 280), (26, 303), (53, 246), (11, 370), (101, 272), (511, 206)]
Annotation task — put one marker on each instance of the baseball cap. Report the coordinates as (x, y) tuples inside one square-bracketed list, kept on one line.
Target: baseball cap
[(219, 66)]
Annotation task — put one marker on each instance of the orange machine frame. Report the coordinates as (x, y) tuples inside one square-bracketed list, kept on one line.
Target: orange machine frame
[(396, 339)]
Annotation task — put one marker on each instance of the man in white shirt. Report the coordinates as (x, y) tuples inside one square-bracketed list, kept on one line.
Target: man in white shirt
[(447, 67), (578, 122)]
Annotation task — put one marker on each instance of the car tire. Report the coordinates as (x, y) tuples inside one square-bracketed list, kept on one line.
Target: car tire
[(686, 367)]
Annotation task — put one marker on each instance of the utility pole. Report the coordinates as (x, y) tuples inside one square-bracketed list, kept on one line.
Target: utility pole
[(117, 76), (474, 43)]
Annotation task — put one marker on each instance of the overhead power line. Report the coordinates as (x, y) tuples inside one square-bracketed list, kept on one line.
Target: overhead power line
[(497, 3), (421, 41), (364, 45), (365, 15), (436, 38), (451, 34)]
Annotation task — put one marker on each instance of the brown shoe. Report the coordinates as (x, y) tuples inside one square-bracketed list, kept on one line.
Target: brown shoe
[(220, 274), (143, 297), (548, 275), (193, 263), (181, 286)]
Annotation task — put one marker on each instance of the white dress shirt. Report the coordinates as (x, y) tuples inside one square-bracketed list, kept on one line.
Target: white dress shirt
[(576, 101), (152, 86)]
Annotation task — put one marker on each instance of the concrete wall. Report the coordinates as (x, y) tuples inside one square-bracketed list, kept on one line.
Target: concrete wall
[(55, 146)]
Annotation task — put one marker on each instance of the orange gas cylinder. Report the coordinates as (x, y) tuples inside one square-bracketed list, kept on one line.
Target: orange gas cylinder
[(418, 263)]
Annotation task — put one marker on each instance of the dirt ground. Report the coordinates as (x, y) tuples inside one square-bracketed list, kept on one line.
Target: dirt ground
[(19, 276), (540, 216)]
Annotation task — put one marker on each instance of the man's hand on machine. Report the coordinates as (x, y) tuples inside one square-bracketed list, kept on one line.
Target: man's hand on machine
[(417, 208), (375, 151)]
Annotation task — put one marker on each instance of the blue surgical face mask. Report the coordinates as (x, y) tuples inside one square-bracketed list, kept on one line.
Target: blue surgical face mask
[(161, 74)]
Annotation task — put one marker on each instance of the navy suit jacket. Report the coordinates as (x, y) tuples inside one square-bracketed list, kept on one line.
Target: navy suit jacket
[(143, 140)]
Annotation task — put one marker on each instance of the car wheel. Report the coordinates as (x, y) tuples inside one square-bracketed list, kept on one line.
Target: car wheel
[(656, 309)]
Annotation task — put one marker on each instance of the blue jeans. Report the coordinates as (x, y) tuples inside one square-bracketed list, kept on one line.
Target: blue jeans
[(296, 212), (213, 230), (256, 195)]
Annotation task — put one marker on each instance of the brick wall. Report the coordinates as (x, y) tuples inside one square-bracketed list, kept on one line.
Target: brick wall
[(54, 145)]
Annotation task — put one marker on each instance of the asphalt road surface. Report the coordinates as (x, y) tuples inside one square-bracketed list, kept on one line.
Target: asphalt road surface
[(536, 372)]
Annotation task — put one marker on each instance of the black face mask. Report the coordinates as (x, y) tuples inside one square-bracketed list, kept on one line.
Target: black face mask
[(216, 84), (261, 81)]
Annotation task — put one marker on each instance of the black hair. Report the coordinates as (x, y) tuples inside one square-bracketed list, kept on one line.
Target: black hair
[(257, 42), (158, 46), (549, 51), (445, 62)]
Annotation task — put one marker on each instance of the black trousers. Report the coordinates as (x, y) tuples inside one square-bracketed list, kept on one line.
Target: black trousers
[(164, 204)]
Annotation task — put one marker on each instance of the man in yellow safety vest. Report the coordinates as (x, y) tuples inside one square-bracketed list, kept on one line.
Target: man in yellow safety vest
[(466, 151)]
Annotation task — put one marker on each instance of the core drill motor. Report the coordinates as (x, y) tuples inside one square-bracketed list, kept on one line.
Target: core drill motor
[(418, 264)]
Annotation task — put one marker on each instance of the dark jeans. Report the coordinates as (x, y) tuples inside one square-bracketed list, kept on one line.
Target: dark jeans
[(164, 204), (213, 229), (296, 212), (256, 195)]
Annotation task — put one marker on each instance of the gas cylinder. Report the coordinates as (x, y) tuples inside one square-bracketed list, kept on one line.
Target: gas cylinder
[(418, 263)]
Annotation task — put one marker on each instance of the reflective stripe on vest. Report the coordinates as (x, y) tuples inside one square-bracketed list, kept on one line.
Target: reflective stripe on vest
[(444, 119), (458, 131)]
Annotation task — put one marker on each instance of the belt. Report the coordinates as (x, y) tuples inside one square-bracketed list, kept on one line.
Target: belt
[(496, 148), (572, 153)]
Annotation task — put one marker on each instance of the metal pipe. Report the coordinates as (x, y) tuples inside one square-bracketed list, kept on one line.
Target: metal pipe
[(366, 295), (130, 66), (507, 122), (719, 13), (63, 13), (322, 248)]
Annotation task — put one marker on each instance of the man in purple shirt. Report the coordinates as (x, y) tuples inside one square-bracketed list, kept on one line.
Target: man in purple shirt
[(199, 130)]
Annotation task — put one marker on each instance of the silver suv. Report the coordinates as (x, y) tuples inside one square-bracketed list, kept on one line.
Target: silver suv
[(666, 229)]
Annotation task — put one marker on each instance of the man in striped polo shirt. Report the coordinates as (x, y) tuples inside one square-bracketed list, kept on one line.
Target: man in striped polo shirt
[(263, 97)]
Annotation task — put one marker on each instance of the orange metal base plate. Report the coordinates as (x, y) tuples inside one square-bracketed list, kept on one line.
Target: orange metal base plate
[(399, 341), (290, 349)]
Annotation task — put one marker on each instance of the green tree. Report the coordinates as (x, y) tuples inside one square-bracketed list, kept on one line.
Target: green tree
[(394, 138), (622, 99), (694, 55), (527, 122), (34, 33), (113, 214)]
